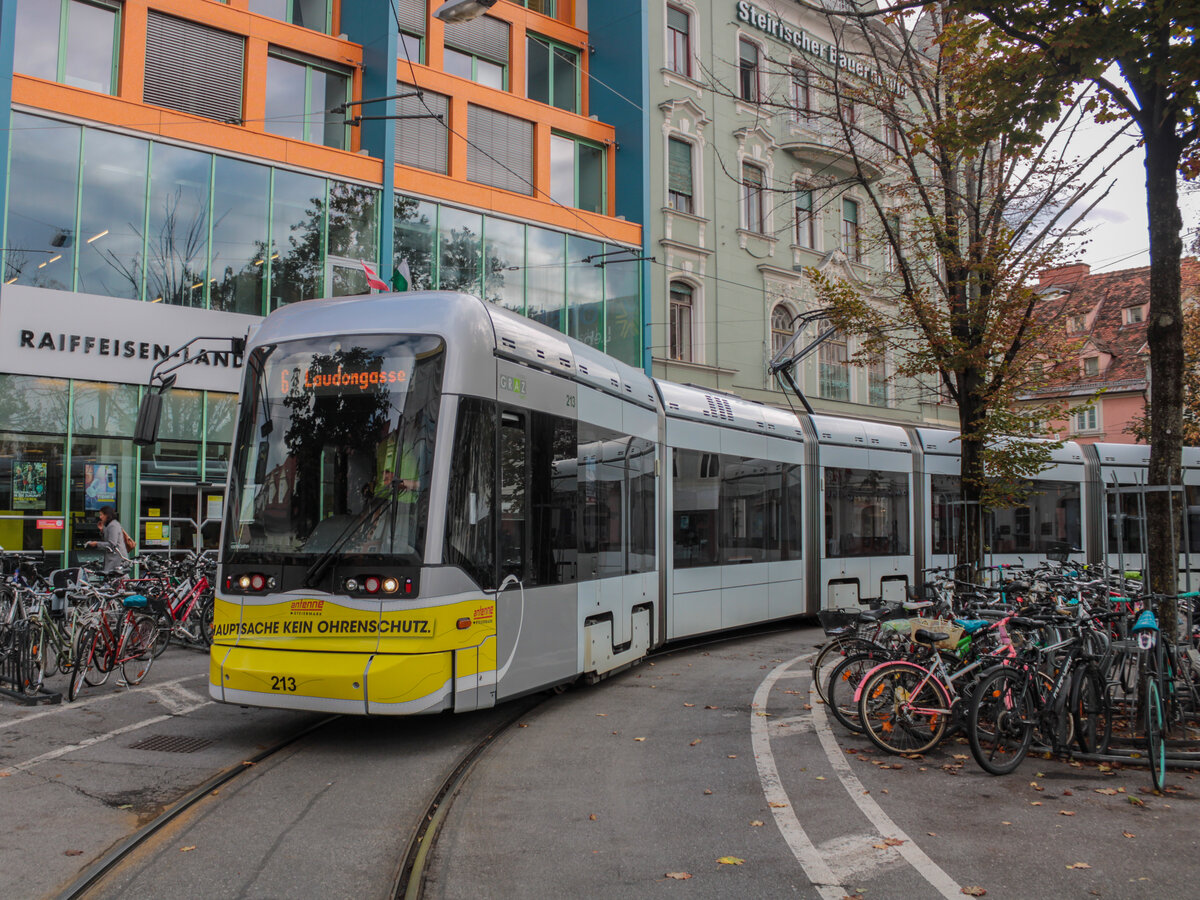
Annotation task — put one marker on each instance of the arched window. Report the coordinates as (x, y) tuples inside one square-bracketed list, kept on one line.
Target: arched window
[(680, 338), (781, 328), (835, 366)]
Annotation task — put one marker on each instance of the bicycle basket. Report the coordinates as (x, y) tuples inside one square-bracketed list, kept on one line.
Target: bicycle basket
[(944, 626), (837, 621), (68, 578)]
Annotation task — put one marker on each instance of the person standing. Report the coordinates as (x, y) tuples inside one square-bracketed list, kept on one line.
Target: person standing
[(112, 542)]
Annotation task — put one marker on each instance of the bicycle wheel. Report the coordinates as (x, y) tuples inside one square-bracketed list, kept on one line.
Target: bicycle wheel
[(843, 682), (207, 608), (139, 649), (85, 648), (162, 639), (1156, 747), (999, 725), (903, 709), (832, 655), (1090, 711), (100, 664)]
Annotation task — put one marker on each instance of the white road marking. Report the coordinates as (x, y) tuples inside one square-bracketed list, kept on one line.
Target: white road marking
[(65, 707), (917, 858), (96, 739), (175, 698), (810, 859), (794, 725), (854, 857)]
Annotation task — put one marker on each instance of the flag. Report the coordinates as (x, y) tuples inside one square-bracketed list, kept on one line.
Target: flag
[(402, 277), (373, 279)]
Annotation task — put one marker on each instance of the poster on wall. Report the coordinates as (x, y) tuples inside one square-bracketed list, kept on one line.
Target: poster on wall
[(99, 485), (29, 485)]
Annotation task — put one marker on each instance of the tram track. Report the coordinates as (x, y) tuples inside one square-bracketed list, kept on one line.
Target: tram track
[(111, 861)]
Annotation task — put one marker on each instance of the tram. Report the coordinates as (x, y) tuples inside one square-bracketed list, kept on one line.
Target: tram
[(435, 504)]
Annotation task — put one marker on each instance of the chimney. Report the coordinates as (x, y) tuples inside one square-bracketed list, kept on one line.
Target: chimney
[(1066, 275)]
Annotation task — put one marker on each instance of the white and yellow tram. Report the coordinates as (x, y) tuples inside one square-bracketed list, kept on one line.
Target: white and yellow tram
[(435, 504)]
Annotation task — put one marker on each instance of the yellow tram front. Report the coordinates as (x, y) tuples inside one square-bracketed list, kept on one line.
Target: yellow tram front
[(324, 602)]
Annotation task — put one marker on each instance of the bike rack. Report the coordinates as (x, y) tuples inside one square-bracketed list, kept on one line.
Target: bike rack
[(14, 648)]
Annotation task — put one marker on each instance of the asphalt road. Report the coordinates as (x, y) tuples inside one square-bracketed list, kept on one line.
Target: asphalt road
[(710, 772)]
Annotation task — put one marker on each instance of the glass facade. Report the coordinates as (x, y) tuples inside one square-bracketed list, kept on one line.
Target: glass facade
[(70, 41), (104, 213), (60, 462), (530, 270)]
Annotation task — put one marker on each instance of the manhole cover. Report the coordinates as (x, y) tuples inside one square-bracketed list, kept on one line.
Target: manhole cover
[(171, 743)]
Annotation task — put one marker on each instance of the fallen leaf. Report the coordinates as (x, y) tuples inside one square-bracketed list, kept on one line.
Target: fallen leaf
[(249, 762), (1128, 834), (522, 725), (757, 823), (72, 853), (694, 743), (689, 705), (679, 876), (883, 790), (1065, 812), (1006, 823), (892, 842), (931, 833), (959, 755), (1068, 793), (808, 706), (1035, 803), (974, 891), (765, 715), (187, 848), (732, 756), (775, 804), (639, 739), (712, 707), (1106, 791), (125, 806), (592, 817), (730, 861), (820, 778), (601, 715), (707, 791), (1137, 801), (1078, 866)]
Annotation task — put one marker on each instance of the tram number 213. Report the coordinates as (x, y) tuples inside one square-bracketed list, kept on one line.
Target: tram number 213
[(283, 683)]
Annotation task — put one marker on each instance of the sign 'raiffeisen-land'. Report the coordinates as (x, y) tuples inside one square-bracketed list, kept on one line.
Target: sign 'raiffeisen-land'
[(802, 40)]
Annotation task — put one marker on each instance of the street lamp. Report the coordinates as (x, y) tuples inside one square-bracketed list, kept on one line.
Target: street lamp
[(463, 10)]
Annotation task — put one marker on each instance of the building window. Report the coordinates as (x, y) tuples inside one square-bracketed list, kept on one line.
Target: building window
[(851, 245), (877, 384), (806, 232), (753, 213), (1085, 420), (892, 240), (194, 69), (781, 329), (552, 73), (1134, 315), (545, 7), (577, 173), (681, 322), (679, 42), (300, 95), (422, 137), (679, 175), (499, 150), (410, 19), (1076, 324), (478, 51), (834, 380), (1091, 365), (891, 138), (68, 41), (802, 109), (847, 111), (314, 14), (748, 70)]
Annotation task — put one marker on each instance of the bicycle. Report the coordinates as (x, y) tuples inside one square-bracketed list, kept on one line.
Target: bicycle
[(103, 647)]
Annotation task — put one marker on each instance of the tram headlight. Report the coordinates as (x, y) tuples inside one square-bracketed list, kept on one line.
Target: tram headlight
[(244, 582), (390, 585), (351, 585), (257, 582)]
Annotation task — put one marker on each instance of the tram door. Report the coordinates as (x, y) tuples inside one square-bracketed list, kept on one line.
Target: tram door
[(175, 518)]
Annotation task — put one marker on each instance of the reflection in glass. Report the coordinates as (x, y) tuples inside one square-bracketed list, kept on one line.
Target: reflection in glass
[(353, 220), (89, 58), (31, 485), (562, 170), (565, 79), (182, 415), (35, 50), (103, 408), (297, 220), (460, 235), (413, 239), (349, 281), (623, 306), (585, 292), (285, 98), (866, 512), (591, 178), (312, 14), (537, 69), (33, 403), (102, 471), (504, 268), (241, 192), (113, 214), (41, 202), (221, 410), (325, 126), (177, 250), (546, 272)]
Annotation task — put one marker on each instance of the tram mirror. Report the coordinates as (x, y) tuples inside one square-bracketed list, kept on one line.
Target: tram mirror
[(145, 431)]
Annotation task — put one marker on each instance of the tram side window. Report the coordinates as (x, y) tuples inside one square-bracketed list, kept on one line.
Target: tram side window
[(470, 505), (750, 510), (601, 472), (696, 491), (553, 488), (791, 540), (866, 513), (513, 494), (1191, 528), (642, 518), (1048, 519), (1124, 528)]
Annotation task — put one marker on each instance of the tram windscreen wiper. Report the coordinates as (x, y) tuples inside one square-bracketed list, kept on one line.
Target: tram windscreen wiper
[(321, 563)]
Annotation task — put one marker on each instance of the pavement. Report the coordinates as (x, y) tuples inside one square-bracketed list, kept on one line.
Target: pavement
[(709, 772)]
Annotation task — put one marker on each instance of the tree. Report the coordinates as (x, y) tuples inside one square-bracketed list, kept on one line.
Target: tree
[(1152, 43), (1190, 434), (968, 208)]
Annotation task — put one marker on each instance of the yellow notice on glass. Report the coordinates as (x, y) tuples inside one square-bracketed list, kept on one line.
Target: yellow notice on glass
[(154, 513), (154, 531)]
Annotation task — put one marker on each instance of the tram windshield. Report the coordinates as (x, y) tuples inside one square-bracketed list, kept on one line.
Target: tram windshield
[(334, 450)]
